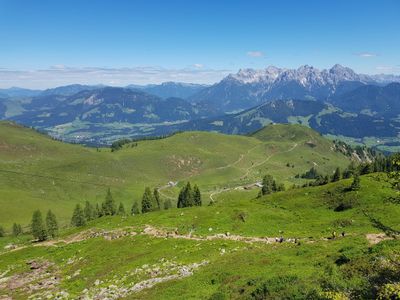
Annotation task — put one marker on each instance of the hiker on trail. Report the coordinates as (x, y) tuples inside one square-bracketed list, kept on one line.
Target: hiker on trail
[(334, 235), (343, 233), (280, 239)]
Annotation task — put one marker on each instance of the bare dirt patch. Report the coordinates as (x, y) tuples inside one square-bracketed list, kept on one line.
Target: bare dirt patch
[(375, 238)]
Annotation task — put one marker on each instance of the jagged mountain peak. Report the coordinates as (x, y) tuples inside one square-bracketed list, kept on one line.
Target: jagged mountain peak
[(303, 75)]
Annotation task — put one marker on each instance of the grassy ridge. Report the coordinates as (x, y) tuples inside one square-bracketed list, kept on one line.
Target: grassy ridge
[(38, 172)]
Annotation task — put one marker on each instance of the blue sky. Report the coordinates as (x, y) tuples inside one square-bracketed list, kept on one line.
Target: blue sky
[(115, 42)]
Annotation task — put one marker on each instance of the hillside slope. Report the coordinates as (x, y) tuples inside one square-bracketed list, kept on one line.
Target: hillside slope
[(226, 251), (38, 172)]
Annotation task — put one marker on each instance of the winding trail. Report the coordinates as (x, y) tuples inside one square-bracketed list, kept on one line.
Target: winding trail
[(160, 190), (212, 194)]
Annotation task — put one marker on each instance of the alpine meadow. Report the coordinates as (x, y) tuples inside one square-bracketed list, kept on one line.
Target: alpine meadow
[(199, 150)]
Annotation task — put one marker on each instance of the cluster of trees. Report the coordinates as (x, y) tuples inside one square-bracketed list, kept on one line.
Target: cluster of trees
[(117, 145), (44, 229), (150, 200), (90, 212), (41, 229), (16, 230), (269, 186), (189, 197), (380, 164), (310, 174)]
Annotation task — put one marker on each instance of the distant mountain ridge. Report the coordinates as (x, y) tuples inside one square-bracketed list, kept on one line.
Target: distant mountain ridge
[(323, 117), (106, 105), (171, 89), (162, 90), (372, 99), (249, 87)]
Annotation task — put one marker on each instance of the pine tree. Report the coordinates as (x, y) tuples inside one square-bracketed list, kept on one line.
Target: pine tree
[(121, 209), (189, 197), (147, 200), (109, 205), (196, 195), (51, 224), (89, 211), (186, 196), (38, 227), (2, 232), (355, 185), (16, 229), (135, 209), (336, 176), (98, 211), (167, 204), (157, 204), (267, 185), (181, 198), (394, 171), (78, 217)]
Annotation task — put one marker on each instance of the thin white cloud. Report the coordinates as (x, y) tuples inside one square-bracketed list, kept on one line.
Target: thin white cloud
[(255, 54), (388, 69), (199, 66), (366, 54), (63, 75)]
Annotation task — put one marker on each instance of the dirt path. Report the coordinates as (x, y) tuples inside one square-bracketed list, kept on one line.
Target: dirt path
[(267, 159), (161, 233), (160, 190), (212, 194), (239, 159)]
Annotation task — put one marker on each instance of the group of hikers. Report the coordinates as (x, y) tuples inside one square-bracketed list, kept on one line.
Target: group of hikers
[(281, 239)]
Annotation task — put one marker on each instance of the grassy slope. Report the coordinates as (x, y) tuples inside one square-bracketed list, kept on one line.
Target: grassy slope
[(287, 270), (55, 175)]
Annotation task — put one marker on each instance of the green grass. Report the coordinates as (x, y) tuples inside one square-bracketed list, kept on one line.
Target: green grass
[(37, 172), (348, 265)]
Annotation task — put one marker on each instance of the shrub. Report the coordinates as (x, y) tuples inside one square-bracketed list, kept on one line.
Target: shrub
[(390, 291)]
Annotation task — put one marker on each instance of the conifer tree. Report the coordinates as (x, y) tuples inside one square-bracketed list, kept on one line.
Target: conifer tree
[(189, 195), (51, 224), (157, 204), (98, 211), (181, 198), (147, 200), (38, 227), (109, 204), (2, 232), (167, 204), (336, 176), (121, 209), (135, 209), (78, 217), (355, 185), (186, 196), (267, 185), (394, 171), (196, 195), (16, 229), (89, 211)]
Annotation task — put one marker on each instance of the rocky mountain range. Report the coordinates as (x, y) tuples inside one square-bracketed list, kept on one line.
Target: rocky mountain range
[(251, 87)]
